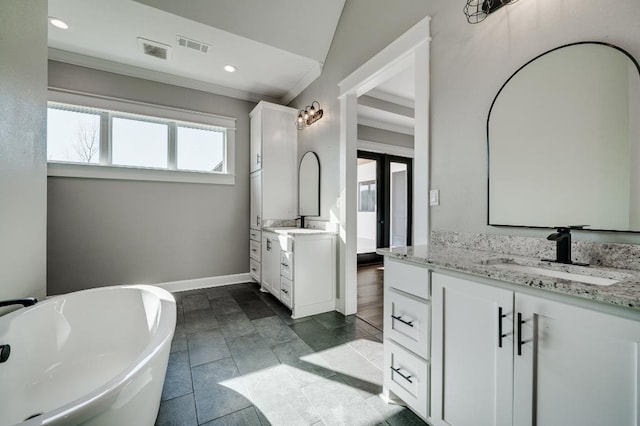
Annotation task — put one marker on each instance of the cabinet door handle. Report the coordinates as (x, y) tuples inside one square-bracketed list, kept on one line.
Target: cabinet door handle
[(286, 265), (268, 245), (285, 291), (257, 158), (253, 269), (258, 220), (254, 250), (520, 341), (399, 318), (501, 335), (397, 370)]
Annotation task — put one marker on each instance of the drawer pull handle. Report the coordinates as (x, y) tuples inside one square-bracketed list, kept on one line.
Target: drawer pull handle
[(285, 291), (409, 323), (286, 265), (253, 269), (254, 250), (407, 378)]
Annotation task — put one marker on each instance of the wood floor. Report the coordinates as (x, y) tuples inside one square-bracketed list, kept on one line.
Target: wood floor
[(370, 292)]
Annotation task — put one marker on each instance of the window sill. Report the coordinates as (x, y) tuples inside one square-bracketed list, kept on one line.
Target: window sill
[(97, 171)]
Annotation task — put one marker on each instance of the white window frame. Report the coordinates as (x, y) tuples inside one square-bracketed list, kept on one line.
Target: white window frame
[(174, 117)]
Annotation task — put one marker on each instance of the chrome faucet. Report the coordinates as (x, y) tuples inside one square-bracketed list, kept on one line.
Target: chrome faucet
[(563, 245)]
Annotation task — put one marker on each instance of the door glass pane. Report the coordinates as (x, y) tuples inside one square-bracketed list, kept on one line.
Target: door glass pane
[(399, 204), (139, 143), (73, 136), (367, 190)]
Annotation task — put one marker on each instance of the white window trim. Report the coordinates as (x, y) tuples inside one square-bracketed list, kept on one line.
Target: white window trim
[(100, 171)]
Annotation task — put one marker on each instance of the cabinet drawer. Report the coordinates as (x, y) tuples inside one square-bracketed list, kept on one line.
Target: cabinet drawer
[(407, 376), (406, 277), (254, 269), (406, 321), (285, 291), (255, 235), (255, 250), (286, 264)]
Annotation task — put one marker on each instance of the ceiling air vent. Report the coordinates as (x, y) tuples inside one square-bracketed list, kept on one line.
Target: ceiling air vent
[(193, 44), (155, 49)]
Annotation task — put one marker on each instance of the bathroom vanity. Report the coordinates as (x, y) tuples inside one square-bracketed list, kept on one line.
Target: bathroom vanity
[(475, 337), (299, 269)]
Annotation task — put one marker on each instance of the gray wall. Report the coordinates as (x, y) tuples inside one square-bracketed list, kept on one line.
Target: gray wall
[(23, 91), (104, 232), (469, 63)]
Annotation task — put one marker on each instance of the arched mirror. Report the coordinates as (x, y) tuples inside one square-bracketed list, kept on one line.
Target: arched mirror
[(309, 185), (564, 141)]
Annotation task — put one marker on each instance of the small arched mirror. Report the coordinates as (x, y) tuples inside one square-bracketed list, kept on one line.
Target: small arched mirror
[(309, 185), (564, 141)]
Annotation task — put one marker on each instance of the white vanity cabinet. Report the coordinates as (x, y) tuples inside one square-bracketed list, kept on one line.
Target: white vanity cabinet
[(501, 357), (407, 325), (300, 270)]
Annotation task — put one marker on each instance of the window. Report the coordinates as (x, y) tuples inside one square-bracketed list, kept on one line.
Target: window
[(200, 149), (73, 136), (367, 196), (83, 141)]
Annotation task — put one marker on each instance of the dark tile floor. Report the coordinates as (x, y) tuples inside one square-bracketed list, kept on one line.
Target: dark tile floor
[(238, 358)]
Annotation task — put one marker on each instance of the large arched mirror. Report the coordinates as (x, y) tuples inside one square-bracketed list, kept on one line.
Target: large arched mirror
[(309, 185), (564, 141)]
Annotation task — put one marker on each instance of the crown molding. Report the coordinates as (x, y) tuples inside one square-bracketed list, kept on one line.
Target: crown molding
[(313, 73)]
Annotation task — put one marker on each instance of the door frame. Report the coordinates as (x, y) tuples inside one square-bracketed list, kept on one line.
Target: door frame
[(410, 49), (383, 200)]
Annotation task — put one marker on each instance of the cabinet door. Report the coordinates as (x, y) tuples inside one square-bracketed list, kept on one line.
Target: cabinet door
[(255, 200), (471, 363), (256, 142), (576, 367), (271, 264), (266, 263)]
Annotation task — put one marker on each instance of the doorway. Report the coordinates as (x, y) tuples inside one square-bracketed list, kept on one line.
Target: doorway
[(384, 219), (384, 204)]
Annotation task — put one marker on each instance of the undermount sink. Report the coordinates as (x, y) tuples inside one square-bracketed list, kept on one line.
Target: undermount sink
[(581, 274)]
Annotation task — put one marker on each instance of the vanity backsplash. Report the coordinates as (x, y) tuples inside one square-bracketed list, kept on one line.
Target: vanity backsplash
[(614, 255)]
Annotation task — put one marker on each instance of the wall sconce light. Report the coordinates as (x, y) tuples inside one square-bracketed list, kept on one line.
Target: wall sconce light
[(477, 10), (309, 115)]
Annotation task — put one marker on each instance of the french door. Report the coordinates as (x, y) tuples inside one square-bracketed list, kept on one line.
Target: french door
[(384, 203)]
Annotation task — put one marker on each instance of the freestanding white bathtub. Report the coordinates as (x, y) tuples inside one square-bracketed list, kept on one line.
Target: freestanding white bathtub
[(95, 357)]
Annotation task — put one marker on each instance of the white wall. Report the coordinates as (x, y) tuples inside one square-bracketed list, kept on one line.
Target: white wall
[(23, 77), (469, 63)]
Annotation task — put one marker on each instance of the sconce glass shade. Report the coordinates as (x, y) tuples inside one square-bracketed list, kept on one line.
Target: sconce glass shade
[(477, 10)]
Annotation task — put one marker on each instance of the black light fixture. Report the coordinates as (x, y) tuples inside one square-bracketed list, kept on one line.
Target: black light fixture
[(477, 10), (309, 115)]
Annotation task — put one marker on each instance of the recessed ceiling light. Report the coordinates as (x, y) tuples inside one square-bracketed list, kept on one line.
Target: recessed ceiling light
[(58, 23), (229, 68)]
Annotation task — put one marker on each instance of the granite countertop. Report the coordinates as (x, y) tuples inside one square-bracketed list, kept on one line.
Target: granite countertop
[(626, 292), (296, 231)]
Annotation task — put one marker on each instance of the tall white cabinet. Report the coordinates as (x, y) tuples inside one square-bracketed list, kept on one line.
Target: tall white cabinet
[(273, 179)]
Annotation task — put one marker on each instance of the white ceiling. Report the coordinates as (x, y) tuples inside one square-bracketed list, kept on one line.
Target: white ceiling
[(392, 105), (278, 46)]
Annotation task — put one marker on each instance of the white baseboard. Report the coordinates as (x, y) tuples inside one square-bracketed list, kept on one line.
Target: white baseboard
[(206, 282)]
